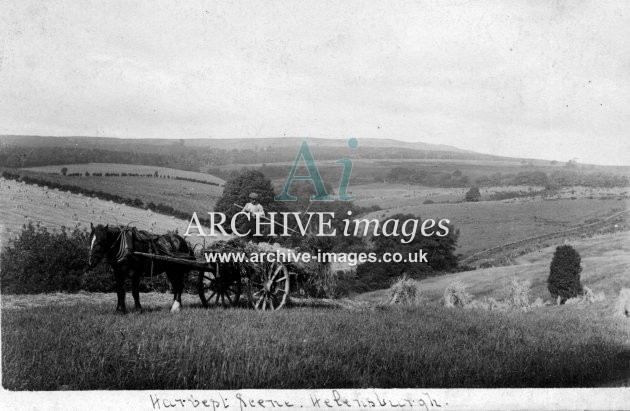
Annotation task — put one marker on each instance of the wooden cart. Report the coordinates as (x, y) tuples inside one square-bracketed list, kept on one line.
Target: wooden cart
[(266, 285)]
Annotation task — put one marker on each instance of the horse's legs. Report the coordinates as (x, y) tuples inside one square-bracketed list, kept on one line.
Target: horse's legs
[(119, 276), (177, 281), (135, 289)]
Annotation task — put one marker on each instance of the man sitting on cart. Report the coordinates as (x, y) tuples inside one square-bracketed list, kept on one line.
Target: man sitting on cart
[(254, 208)]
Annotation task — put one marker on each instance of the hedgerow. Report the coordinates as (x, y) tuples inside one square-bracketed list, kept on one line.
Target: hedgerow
[(131, 202), (39, 260)]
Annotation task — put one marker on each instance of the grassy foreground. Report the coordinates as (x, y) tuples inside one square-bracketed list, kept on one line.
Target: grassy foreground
[(87, 347)]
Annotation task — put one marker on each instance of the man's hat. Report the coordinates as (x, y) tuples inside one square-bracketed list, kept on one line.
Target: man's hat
[(253, 195)]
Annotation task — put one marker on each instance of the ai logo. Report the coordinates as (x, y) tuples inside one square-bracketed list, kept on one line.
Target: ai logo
[(313, 175)]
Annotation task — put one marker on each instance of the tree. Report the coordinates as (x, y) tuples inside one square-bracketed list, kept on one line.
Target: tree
[(236, 194), (473, 195), (571, 163), (440, 256), (64, 170), (564, 274)]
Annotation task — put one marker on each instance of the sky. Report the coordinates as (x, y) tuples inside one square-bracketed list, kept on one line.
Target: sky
[(536, 79)]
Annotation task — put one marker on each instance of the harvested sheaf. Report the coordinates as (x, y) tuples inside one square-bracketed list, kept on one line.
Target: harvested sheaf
[(622, 306), (405, 291), (456, 295), (518, 299), (587, 297)]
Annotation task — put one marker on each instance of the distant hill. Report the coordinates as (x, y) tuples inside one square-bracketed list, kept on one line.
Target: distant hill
[(259, 143), (225, 144), (203, 154)]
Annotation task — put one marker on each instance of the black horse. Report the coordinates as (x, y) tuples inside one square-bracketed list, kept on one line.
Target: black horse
[(117, 245)]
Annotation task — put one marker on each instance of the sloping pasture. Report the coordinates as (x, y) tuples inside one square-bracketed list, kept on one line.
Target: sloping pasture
[(186, 196), (605, 262), (488, 224), (393, 195), (21, 203)]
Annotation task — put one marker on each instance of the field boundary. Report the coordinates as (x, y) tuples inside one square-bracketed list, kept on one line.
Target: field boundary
[(515, 244), (101, 195)]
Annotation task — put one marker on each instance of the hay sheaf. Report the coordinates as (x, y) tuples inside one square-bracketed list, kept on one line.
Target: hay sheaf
[(588, 296), (405, 291), (456, 295), (622, 306)]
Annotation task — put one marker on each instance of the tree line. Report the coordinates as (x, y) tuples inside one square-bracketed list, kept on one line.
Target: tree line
[(556, 179), (64, 172), (102, 195)]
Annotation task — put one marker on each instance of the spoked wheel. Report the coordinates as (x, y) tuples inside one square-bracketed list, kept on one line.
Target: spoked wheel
[(268, 287), (219, 288)]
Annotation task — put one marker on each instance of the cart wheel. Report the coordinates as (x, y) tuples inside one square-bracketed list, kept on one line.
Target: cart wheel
[(219, 288), (268, 287)]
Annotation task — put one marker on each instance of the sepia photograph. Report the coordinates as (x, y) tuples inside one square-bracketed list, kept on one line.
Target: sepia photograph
[(278, 204)]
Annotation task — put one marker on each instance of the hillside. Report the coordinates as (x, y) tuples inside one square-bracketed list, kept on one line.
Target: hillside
[(182, 195), (219, 143), (195, 154), (605, 262), (487, 224), (21, 203)]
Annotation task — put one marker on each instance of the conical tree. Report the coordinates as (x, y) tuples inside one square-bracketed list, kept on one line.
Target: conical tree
[(473, 195), (564, 274)]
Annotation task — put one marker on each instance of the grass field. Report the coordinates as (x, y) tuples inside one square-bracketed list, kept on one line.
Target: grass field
[(126, 168), (86, 346), (76, 342), (605, 263), (491, 223), (185, 196), (389, 195), (21, 203), (482, 225)]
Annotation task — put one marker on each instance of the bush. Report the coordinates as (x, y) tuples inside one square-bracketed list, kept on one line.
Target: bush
[(39, 261), (380, 274), (564, 274)]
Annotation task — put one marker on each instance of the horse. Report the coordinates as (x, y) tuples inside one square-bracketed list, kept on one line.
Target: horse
[(117, 244)]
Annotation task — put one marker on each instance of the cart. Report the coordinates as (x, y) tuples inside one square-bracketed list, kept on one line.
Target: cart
[(266, 284)]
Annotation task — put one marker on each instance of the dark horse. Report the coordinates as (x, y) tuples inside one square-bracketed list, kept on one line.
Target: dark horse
[(117, 244)]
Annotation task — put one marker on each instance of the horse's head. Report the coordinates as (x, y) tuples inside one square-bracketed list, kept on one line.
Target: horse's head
[(98, 244)]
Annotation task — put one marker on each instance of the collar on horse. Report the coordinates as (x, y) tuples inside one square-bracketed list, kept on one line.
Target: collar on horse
[(125, 242), (158, 244)]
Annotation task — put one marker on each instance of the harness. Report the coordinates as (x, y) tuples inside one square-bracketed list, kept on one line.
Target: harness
[(158, 244)]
